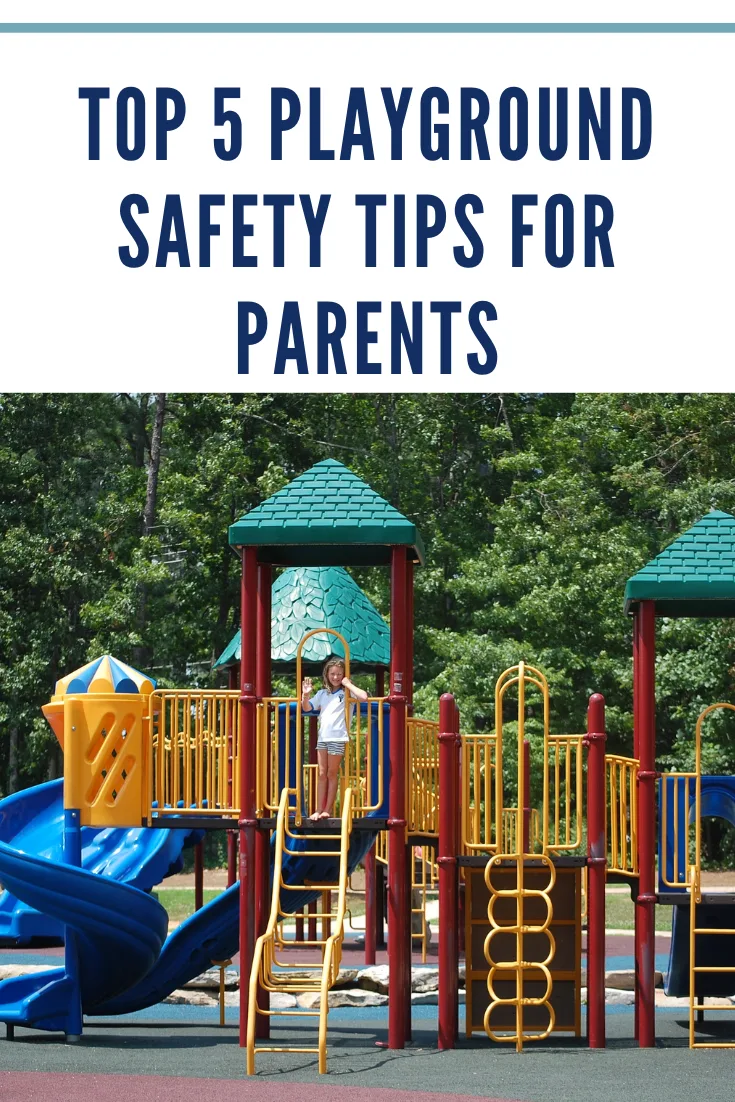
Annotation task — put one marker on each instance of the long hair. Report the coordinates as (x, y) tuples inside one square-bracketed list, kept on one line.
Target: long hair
[(328, 666)]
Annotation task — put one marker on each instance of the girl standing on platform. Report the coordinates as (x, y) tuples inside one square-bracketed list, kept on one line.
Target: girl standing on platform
[(329, 702)]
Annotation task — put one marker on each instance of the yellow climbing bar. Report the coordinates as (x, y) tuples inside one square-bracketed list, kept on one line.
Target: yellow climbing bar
[(694, 883), (274, 975)]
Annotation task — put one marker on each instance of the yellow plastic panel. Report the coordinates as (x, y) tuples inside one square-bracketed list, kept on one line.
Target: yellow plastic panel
[(103, 758)]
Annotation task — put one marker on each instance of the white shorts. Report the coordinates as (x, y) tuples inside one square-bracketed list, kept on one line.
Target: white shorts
[(334, 749)]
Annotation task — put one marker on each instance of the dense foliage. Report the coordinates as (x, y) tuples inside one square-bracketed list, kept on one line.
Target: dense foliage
[(534, 509)]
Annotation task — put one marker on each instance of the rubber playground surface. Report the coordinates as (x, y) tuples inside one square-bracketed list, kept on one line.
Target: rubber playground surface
[(184, 1056), (174, 1053)]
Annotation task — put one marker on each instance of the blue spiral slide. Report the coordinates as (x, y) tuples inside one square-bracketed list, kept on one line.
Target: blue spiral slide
[(118, 958), (32, 821)]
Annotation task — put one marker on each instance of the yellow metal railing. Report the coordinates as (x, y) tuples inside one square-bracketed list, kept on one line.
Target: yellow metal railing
[(275, 975), (195, 739), (563, 793), (511, 819), (621, 777), (677, 861), (482, 793), (283, 757), (424, 879), (422, 776)]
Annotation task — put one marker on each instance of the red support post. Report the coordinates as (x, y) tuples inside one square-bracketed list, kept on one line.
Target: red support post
[(369, 866), (248, 822), (409, 636), (263, 628), (262, 837), (636, 737), (448, 876), (596, 870), (311, 929), (198, 876), (233, 682), (646, 901), (380, 905), (399, 898)]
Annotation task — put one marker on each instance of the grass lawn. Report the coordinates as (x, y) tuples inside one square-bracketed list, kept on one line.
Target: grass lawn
[(179, 902), (619, 913)]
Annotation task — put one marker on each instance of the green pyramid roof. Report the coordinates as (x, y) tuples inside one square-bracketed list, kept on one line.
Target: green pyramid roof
[(694, 575), (326, 517), (305, 598)]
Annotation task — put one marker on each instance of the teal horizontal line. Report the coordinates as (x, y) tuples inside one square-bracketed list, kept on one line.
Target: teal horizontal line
[(367, 28)]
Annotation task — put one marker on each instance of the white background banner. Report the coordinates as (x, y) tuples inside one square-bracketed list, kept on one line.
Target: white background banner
[(644, 305)]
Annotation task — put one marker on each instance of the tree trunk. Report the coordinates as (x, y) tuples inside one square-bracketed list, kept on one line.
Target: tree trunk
[(142, 652), (151, 494), (13, 761)]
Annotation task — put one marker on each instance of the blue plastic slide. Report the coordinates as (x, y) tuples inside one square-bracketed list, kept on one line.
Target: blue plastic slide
[(123, 964), (212, 933), (118, 934), (120, 966), (32, 821)]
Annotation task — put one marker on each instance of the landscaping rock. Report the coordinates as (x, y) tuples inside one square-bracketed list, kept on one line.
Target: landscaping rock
[(374, 978), (308, 974), (670, 1001), (424, 979), (282, 1000), (354, 996), (347, 977), (624, 979), (12, 971), (192, 998), (615, 997), (424, 998), (209, 980)]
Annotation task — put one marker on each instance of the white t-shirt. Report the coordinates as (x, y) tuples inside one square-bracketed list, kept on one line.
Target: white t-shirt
[(332, 726)]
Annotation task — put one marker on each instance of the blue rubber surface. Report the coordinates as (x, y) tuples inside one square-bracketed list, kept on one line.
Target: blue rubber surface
[(32, 821)]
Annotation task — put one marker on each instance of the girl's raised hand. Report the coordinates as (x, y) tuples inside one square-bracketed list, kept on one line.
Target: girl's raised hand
[(306, 687)]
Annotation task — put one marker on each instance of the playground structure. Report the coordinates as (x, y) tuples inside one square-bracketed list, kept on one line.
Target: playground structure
[(185, 760)]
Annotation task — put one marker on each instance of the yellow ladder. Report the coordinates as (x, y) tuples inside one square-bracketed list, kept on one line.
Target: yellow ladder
[(515, 923), (695, 889), (695, 895), (273, 975), (515, 970)]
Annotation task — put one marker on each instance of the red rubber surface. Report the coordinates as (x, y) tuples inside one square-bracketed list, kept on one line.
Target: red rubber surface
[(36, 1086)]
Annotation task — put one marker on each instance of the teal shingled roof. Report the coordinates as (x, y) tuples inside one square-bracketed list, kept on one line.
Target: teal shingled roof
[(326, 517), (305, 598), (694, 575)]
